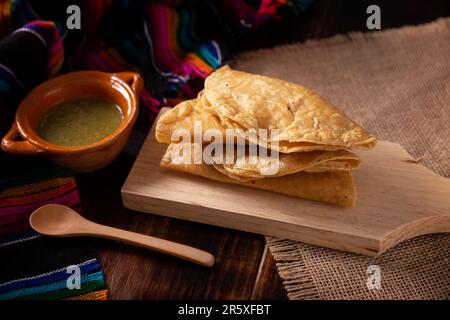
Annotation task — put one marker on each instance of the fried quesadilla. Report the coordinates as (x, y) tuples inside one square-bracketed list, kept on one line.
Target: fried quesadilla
[(305, 120), (248, 167), (311, 161), (329, 187)]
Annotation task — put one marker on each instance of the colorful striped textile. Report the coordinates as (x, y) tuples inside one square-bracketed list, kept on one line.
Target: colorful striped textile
[(251, 15), (48, 34), (35, 267), (13, 15), (20, 72), (163, 49)]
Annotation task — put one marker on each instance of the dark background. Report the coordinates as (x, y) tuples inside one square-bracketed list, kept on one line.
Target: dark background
[(329, 17), (324, 18)]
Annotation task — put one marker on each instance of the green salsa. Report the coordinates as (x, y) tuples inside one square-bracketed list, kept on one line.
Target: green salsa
[(80, 122)]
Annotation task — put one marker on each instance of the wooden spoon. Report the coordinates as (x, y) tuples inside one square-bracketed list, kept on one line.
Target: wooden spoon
[(61, 221)]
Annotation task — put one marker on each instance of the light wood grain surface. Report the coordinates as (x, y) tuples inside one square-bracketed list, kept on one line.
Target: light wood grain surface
[(397, 199)]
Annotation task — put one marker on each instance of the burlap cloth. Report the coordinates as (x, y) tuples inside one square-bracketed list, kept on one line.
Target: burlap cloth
[(396, 83)]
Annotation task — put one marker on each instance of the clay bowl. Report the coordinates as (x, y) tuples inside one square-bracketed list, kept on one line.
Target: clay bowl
[(120, 88)]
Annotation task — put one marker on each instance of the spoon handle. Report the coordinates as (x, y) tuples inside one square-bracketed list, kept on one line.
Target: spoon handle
[(175, 249)]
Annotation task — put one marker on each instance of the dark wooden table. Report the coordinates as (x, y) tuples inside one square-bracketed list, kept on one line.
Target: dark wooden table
[(244, 268)]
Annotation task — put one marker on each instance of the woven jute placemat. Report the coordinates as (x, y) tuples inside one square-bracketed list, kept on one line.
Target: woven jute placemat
[(396, 84)]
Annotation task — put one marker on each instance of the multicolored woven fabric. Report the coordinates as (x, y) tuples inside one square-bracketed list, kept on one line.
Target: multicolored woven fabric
[(20, 72), (35, 267), (174, 44)]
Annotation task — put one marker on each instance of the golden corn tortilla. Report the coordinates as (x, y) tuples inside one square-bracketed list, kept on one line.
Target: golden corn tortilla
[(330, 187), (186, 113), (305, 120), (183, 116), (338, 165), (245, 166), (246, 177), (252, 167)]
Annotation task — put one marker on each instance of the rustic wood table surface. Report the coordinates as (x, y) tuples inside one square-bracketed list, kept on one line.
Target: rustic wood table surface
[(244, 268)]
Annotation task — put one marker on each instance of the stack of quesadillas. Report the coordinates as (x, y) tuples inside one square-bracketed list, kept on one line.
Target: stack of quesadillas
[(276, 125)]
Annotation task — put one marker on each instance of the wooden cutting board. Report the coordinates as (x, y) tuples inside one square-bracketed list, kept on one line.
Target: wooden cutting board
[(397, 199)]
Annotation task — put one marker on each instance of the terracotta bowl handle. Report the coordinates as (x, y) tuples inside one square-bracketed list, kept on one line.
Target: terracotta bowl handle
[(11, 144), (133, 79)]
